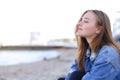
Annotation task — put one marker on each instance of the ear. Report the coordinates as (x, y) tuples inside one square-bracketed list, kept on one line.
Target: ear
[(99, 29)]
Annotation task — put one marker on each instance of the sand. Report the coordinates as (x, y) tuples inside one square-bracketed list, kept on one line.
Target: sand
[(50, 69)]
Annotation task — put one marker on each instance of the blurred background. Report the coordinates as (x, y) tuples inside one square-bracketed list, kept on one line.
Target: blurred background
[(35, 30), (29, 22)]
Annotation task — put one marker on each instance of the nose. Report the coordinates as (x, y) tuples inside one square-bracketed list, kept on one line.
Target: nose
[(79, 24)]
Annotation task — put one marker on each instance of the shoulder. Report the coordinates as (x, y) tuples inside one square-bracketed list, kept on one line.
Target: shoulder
[(108, 54)]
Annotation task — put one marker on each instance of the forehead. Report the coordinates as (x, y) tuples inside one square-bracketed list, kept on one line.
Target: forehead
[(89, 15)]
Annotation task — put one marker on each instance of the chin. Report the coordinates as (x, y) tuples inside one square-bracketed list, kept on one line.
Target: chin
[(78, 33)]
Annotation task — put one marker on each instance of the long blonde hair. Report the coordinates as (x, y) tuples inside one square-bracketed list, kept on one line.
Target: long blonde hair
[(104, 38)]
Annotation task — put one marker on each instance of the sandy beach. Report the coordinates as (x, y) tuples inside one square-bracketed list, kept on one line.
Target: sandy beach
[(50, 69)]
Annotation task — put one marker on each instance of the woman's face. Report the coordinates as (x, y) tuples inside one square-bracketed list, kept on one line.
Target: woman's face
[(87, 26)]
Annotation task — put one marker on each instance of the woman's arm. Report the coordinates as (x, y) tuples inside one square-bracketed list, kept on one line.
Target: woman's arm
[(73, 69), (100, 71), (105, 67)]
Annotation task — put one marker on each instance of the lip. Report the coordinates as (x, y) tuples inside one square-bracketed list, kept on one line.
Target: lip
[(79, 29)]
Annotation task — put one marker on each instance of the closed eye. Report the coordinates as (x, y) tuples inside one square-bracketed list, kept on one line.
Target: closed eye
[(85, 21)]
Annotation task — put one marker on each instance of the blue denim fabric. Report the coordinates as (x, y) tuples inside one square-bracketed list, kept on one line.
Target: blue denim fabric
[(105, 66), (73, 68)]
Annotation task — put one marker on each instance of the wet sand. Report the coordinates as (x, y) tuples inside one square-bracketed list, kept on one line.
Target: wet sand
[(50, 69)]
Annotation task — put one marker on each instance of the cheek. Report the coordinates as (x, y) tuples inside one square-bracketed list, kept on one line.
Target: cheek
[(84, 32), (88, 31)]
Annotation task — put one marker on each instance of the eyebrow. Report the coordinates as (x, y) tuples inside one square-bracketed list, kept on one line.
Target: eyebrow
[(86, 18)]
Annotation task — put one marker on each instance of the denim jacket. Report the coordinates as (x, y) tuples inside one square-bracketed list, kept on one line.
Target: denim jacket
[(104, 66)]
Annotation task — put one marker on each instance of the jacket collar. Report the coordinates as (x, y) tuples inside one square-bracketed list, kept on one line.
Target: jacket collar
[(92, 57), (88, 53)]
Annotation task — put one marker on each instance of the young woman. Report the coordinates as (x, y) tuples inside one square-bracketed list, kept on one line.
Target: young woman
[(98, 55)]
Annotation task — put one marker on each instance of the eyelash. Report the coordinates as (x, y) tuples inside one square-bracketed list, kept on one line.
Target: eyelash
[(86, 21)]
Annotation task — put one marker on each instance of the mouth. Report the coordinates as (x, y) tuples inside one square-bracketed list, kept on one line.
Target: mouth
[(79, 29)]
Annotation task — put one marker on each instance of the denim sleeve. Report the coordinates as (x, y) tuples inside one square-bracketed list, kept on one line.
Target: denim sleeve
[(73, 68), (102, 68), (99, 71)]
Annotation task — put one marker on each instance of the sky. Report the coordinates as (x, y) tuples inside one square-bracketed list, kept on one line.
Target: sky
[(52, 19)]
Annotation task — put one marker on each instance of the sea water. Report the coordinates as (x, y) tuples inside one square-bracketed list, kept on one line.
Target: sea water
[(12, 57)]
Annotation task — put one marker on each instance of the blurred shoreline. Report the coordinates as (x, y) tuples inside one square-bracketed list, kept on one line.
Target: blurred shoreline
[(41, 70), (28, 47)]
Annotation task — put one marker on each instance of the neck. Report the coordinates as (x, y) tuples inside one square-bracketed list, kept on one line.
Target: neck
[(89, 40)]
